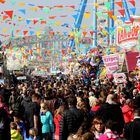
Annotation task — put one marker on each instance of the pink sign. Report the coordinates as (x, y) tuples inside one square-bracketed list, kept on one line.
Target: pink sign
[(111, 63), (119, 78)]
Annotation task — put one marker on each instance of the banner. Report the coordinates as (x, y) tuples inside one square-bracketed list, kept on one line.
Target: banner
[(111, 63)]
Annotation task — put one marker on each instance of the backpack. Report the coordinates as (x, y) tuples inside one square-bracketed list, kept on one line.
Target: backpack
[(3, 118), (16, 107)]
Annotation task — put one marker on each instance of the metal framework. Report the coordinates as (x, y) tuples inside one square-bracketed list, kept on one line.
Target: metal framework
[(111, 21)]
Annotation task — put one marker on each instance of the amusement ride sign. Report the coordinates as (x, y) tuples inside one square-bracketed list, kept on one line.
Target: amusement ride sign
[(128, 38)]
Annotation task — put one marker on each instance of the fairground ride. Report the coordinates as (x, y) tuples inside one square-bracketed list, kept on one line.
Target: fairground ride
[(111, 24)]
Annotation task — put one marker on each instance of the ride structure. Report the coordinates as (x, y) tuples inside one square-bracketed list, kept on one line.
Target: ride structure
[(111, 23)]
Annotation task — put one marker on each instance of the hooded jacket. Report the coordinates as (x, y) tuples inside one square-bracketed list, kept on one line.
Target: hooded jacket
[(128, 113)]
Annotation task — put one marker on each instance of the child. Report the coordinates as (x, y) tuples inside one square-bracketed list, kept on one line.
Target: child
[(20, 125), (110, 133), (15, 135), (33, 134)]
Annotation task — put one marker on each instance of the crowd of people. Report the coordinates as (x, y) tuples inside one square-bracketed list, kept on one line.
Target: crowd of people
[(66, 108)]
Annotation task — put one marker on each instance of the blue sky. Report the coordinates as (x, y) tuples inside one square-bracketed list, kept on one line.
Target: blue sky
[(40, 13)]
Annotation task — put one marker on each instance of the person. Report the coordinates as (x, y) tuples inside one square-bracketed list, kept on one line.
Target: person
[(15, 134), (32, 113), (83, 133), (33, 134), (4, 121), (97, 127), (57, 117), (135, 93), (112, 111), (71, 119), (132, 129), (88, 136), (110, 133), (96, 106), (128, 111), (20, 125), (92, 99), (47, 122)]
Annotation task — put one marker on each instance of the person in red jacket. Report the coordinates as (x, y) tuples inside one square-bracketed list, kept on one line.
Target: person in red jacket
[(128, 111), (57, 118)]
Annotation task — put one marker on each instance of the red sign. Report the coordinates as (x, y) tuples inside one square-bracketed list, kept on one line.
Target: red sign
[(124, 36), (131, 59)]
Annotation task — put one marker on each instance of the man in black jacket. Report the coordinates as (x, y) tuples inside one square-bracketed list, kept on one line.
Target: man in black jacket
[(132, 129), (71, 119), (112, 111)]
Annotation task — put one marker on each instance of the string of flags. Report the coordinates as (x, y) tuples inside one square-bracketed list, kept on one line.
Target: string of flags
[(9, 16)]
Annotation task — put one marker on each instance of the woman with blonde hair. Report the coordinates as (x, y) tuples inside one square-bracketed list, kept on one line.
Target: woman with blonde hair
[(47, 122)]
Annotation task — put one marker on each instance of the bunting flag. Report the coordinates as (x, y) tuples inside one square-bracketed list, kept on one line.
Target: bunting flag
[(123, 19), (110, 13), (99, 14), (58, 6), (119, 3), (63, 16), (133, 10), (2, 1), (114, 18), (41, 7), (96, 5), (25, 32), (122, 12), (108, 5), (74, 16), (132, 20), (22, 4), (133, 2), (87, 15), (22, 11), (31, 33), (17, 31), (5, 29), (35, 21), (28, 21), (52, 17), (71, 6), (30, 4), (9, 13), (20, 18), (5, 17), (43, 22), (13, 2), (84, 33), (91, 33)]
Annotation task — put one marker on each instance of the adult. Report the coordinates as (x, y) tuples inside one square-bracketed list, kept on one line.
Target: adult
[(4, 121), (128, 110), (71, 119), (132, 129), (31, 112), (135, 93), (112, 111)]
